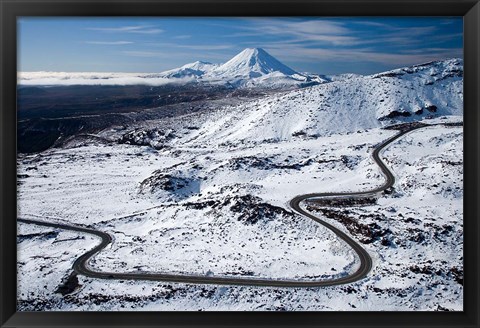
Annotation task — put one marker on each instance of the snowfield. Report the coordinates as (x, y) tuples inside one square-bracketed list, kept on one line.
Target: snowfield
[(341, 107), (207, 194)]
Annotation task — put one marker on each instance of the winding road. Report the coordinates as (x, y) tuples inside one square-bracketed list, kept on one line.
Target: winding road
[(82, 267)]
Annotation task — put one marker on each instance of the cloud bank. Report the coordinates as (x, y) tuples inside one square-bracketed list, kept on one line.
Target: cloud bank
[(93, 78)]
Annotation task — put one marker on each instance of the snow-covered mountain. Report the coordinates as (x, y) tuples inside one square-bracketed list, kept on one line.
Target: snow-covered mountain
[(195, 69), (252, 67), (252, 63), (358, 103)]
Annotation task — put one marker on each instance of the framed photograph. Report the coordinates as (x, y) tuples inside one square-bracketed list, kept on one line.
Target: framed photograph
[(224, 163)]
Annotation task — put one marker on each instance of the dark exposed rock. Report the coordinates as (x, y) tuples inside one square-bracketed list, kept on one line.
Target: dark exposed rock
[(167, 182), (451, 73), (202, 205), (441, 308), (404, 126), (343, 202), (431, 108), (396, 113), (366, 233), (207, 293), (452, 163), (388, 74), (349, 290), (250, 161), (252, 210), (457, 274), (386, 242), (140, 137), (389, 191), (417, 236), (299, 134), (453, 124), (69, 285), (41, 235), (350, 161), (240, 272), (425, 269), (262, 164), (163, 182), (429, 269)]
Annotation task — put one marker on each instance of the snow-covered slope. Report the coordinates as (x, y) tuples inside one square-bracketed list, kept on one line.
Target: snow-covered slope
[(195, 69), (237, 223), (250, 63), (358, 103), (255, 67), (201, 66)]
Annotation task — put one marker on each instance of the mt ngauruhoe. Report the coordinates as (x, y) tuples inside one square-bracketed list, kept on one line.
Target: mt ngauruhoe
[(252, 63), (251, 67)]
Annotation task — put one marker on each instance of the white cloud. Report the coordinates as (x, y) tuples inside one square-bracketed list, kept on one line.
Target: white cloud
[(335, 33), (107, 43), (135, 53), (207, 47), (193, 46), (92, 78), (300, 31), (139, 29), (182, 37), (314, 55), (149, 31)]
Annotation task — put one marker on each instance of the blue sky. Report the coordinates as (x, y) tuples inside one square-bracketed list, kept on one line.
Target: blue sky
[(306, 44)]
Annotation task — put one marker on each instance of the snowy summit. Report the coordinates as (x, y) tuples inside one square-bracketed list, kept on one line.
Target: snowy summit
[(252, 67), (252, 63)]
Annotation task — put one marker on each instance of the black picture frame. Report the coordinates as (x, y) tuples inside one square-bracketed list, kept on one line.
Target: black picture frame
[(10, 10)]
